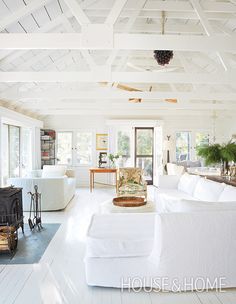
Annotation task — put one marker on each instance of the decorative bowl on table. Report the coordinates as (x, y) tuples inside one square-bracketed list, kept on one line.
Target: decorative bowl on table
[(129, 201)]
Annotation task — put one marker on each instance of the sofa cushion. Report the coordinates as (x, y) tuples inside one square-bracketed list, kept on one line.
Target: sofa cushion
[(207, 190), (197, 206), (167, 198), (53, 171), (228, 194), (188, 182), (120, 235)]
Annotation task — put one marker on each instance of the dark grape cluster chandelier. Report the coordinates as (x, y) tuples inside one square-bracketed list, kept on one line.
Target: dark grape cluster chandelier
[(163, 57)]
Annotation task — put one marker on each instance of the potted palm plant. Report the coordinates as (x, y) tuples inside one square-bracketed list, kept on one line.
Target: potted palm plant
[(219, 154)]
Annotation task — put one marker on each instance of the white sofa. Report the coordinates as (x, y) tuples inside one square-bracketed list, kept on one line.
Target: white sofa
[(190, 244), (168, 251), (56, 185), (173, 189)]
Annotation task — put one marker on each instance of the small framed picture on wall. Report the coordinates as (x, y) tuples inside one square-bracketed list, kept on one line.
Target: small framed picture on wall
[(101, 141)]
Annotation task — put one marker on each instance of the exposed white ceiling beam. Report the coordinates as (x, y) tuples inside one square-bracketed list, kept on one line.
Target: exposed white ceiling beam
[(145, 105), (77, 11), (65, 94), (192, 114), (115, 12), (208, 29), (129, 77), (172, 6), (170, 27), (46, 28), (127, 28), (157, 15), (22, 12), (121, 41)]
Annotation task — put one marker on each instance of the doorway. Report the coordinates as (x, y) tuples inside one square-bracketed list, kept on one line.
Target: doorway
[(144, 146)]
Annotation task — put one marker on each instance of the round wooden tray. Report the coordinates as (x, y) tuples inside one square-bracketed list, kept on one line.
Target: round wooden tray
[(129, 201)]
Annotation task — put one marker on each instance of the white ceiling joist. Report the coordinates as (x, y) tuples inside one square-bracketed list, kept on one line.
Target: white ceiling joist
[(127, 28), (157, 15), (14, 17), (121, 41), (145, 105), (46, 28), (136, 111), (61, 94), (125, 77), (115, 11), (77, 11), (209, 30), (172, 6)]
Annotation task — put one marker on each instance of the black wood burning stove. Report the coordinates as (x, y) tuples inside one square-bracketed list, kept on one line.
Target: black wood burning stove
[(11, 217)]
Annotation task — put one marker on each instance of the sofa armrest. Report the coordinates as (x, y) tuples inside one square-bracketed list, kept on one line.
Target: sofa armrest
[(168, 181)]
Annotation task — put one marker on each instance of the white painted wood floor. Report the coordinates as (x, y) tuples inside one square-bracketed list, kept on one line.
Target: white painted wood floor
[(59, 277)]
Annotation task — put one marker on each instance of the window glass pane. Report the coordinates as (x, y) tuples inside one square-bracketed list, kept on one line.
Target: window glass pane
[(14, 151), (202, 139), (64, 148), (183, 142), (84, 148), (123, 148), (145, 163), (26, 151), (5, 159), (144, 141)]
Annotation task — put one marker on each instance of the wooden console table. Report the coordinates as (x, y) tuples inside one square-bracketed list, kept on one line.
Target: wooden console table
[(92, 171)]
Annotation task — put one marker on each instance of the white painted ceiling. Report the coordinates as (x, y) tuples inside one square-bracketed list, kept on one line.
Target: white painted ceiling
[(212, 18)]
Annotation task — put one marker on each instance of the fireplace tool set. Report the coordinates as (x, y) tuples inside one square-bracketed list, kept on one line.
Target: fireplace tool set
[(35, 220)]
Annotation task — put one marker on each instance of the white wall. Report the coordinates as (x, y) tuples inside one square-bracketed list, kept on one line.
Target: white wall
[(225, 127)]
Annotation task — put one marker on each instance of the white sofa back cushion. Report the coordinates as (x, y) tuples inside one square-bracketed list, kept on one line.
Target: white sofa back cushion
[(207, 190), (187, 183), (198, 206), (228, 194), (53, 171)]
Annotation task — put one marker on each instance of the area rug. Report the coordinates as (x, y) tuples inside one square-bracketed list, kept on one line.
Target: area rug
[(31, 245)]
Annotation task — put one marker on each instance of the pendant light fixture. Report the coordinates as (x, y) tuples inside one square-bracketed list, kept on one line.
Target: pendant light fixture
[(163, 57)]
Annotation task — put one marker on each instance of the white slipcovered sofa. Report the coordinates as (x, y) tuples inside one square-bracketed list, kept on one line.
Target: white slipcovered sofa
[(55, 183), (173, 189), (168, 251), (190, 244)]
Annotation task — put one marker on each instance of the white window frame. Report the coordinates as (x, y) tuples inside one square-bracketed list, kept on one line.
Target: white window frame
[(74, 132), (193, 155)]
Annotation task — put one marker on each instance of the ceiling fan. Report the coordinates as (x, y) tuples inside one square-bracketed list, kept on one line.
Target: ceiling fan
[(124, 87)]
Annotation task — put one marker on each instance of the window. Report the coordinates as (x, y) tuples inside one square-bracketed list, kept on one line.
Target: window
[(64, 148), (74, 148), (123, 147), (201, 139), (144, 151), (83, 148), (183, 146), (17, 160), (14, 151)]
